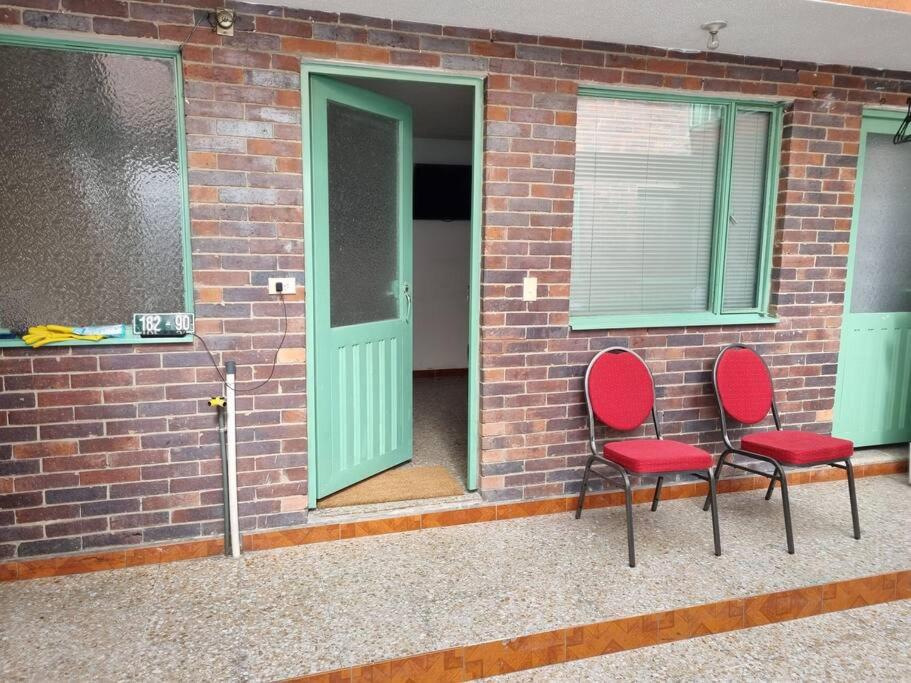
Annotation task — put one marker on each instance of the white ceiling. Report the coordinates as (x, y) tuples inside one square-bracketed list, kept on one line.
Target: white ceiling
[(439, 111), (803, 30)]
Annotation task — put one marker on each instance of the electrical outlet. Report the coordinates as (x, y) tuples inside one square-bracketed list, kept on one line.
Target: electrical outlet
[(530, 289), (289, 285)]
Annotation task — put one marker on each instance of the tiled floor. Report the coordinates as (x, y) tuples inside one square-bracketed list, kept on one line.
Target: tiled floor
[(441, 423), (279, 613), (865, 644)]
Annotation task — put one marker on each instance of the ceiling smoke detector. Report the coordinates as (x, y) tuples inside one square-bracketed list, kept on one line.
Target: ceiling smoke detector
[(713, 27)]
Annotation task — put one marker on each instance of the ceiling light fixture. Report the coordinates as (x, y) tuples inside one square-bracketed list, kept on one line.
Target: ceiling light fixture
[(713, 27)]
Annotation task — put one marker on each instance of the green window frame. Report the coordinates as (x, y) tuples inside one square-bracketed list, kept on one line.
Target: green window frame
[(162, 52), (715, 314)]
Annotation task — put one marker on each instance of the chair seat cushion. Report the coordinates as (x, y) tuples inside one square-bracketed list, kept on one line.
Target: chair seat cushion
[(656, 455), (794, 447)]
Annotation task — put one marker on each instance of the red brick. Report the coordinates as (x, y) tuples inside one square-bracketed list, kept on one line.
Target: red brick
[(120, 27), (69, 398), (44, 449), (109, 8)]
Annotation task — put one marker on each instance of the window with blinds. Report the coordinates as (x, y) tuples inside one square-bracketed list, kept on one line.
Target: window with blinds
[(746, 219), (671, 210)]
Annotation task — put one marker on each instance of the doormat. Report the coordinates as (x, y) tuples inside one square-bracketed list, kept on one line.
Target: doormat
[(401, 483)]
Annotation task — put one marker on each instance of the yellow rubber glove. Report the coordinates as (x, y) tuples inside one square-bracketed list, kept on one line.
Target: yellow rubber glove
[(49, 334)]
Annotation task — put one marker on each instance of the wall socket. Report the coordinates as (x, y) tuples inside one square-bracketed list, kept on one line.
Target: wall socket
[(289, 285)]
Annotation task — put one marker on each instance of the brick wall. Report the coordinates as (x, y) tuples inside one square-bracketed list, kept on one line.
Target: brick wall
[(116, 446)]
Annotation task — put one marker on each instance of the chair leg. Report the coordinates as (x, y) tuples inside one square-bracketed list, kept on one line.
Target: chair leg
[(786, 504), (849, 468), (630, 541), (714, 499), (717, 476), (768, 493), (657, 496), (588, 470)]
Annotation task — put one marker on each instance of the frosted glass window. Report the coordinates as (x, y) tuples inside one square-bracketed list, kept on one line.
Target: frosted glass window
[(748, 172), (91, 202), (882, 265), (652, 179), (363, 150)]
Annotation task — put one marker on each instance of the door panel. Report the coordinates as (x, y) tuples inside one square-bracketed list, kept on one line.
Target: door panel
[(361, 176), (873, 390)]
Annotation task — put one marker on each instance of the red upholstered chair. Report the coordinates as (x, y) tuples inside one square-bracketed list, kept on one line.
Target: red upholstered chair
[(743, 387), (620, 394)]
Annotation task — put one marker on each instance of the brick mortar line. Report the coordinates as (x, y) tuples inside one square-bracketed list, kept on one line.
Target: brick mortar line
[(22, 570), (554, 647)]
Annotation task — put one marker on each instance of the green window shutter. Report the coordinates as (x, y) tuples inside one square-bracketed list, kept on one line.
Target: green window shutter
[(644, 206), (747, 203)]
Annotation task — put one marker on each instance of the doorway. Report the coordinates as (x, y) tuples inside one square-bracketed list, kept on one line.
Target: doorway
[(392, 184), (873, 387)]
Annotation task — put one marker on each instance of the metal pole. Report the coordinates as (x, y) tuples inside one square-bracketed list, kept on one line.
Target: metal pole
[(231, 438), (224, 477)]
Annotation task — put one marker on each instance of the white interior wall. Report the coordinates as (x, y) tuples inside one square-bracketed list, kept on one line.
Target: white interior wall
[(441, 273)]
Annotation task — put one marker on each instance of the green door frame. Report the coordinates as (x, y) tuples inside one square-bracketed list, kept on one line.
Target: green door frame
[(844, 423), (309, 68)]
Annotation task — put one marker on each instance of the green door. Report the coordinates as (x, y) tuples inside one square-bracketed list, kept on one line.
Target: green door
[(361, 188), (873, 390)]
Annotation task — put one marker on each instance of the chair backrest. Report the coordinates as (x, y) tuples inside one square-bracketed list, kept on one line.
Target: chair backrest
[(619, 388), (743, 384)]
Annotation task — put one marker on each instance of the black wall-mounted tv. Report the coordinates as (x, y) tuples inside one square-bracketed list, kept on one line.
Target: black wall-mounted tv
[(442, 192)]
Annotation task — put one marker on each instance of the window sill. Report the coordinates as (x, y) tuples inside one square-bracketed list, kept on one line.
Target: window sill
[(112, 341), (618, 322)]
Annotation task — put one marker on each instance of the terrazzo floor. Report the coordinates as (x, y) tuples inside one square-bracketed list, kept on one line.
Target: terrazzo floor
[(865, 644), (275, 614)]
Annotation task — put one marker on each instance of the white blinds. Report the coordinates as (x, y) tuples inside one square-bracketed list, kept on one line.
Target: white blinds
[(748, 171), (644, 206)]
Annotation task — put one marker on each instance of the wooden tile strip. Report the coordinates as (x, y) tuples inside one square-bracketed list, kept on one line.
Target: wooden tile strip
[(319, 533), (591, 640)]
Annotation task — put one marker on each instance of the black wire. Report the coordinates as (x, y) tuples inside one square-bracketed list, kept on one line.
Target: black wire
[(274, 358), (193, 30)]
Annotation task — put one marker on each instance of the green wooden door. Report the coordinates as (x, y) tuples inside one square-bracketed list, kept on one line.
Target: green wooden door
[(361, 189), (873, 390)]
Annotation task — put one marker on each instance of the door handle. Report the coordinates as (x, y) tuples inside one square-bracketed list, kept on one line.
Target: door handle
[(406, 292)]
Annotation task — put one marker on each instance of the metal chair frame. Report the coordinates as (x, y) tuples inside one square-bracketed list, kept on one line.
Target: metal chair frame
[(778, 474), (595, 457)]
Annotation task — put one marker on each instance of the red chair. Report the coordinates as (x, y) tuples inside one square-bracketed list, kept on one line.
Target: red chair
[(743, 387), (620, 393)]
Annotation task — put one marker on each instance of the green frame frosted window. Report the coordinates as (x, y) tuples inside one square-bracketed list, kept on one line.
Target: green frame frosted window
[(94, 214), (673, 210)]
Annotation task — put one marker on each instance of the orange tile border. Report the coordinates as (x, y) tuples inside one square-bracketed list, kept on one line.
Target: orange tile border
[(516, 654), (435, 520), (319, 533), (532, 508), (772, 608), (442, 665), (869, 590), (903, 586), (284, 538), (627, 633), (385, 525), (701, 620), (608, 637)]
